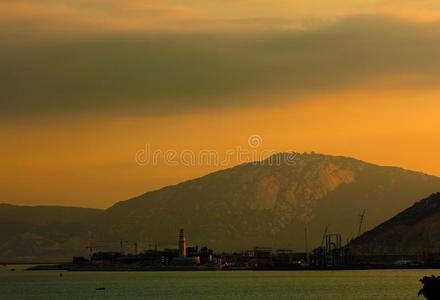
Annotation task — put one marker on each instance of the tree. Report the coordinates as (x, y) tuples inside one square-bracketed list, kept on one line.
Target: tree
[(431, 287)]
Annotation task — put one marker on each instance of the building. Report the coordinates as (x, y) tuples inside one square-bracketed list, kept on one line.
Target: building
[(263, 257)]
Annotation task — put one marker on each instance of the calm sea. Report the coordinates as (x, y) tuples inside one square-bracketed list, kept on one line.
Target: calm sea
[(383, 284)]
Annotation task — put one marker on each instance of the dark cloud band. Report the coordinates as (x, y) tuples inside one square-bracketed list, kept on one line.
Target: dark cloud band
[(159, 73)]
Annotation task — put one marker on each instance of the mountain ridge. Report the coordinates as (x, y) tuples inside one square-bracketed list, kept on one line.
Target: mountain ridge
[(411, 231), (260, 162), (271, 193), (248, 205)]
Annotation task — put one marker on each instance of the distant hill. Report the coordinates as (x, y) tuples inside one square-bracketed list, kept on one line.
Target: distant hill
[(268, 205), (44, 231), (254, 204), (413, 231)]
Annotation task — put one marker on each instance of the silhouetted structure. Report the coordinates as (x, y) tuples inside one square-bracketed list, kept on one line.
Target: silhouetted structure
[(431, 287), (182, 243), (332, 253), (333, 245), (263, 257), (106, 257), (192, 251), (80, 260), (284, 257), (206, 255)]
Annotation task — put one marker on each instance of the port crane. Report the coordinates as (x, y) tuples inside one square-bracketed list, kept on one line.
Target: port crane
[(361, 222), (324, 235)]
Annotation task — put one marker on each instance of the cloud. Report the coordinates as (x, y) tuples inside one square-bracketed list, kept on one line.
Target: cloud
[(168, 72), (55, 17), (25, 17)]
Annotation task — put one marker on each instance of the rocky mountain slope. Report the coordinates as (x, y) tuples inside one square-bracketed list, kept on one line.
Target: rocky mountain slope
[(413, 231), (254, 204), (268, 205)]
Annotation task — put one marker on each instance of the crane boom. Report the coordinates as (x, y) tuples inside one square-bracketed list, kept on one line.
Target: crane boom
[(324, 235), (362, 216)]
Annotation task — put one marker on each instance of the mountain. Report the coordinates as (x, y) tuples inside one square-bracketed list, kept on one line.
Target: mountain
[(254, 204), (43, 231), (413, 231), (268, 204)]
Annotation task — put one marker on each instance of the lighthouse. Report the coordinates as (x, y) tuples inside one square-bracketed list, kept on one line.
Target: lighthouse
[(182, 243)]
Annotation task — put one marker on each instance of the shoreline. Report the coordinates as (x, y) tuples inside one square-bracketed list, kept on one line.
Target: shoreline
[(204, 268)]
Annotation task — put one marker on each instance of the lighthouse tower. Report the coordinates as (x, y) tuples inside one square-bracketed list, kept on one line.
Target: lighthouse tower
[(182, 243)]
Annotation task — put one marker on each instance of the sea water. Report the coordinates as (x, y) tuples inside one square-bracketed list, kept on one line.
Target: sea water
[(323, 285)]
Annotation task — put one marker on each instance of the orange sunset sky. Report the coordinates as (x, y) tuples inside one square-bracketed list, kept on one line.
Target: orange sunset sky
[(86, 84)]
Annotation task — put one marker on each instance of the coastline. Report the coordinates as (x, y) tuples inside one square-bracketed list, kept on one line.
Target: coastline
[(73, 268)]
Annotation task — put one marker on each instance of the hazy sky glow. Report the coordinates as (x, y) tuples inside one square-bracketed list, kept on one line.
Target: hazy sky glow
[(86, 84)]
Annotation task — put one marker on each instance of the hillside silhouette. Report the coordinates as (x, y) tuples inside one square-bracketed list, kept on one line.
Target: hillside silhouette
[(253, 204)]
